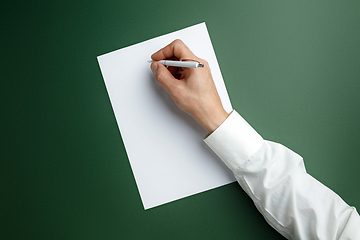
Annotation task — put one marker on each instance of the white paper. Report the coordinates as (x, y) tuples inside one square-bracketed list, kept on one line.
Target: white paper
[(165, 146)]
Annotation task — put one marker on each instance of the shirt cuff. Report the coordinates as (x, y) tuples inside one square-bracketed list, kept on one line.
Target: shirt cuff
[(234, 141)]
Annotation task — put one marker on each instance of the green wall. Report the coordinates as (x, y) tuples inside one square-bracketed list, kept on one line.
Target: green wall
[(291, 69)]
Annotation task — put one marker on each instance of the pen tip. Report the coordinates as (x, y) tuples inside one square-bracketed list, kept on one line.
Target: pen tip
[(150, 61)]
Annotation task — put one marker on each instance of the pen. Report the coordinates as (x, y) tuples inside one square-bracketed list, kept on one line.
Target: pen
[(190, 64)]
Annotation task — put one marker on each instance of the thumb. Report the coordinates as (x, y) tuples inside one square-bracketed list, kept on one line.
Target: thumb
[(163, 76)]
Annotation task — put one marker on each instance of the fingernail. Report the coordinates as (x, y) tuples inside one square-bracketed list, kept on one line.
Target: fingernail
[(154, 67)]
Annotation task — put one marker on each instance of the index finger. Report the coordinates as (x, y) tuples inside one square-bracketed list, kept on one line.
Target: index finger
[(176, 49)]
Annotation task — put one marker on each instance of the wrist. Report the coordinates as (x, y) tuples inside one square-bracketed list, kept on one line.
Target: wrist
[(210, 121)]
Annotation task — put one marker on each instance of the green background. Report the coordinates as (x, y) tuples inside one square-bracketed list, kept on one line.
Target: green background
[(292, 69)]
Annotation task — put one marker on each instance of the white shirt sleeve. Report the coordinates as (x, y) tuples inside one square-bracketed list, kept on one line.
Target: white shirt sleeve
[(294, 203)]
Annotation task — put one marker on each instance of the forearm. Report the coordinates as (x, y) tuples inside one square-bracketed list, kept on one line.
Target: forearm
[(293, 202)]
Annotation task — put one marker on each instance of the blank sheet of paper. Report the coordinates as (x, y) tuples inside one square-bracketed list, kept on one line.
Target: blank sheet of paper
[(165, 146)]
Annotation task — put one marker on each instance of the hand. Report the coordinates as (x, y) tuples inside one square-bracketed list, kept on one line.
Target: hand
[(193, 90)]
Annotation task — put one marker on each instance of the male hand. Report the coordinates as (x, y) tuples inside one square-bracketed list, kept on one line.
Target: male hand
[(193, 90)]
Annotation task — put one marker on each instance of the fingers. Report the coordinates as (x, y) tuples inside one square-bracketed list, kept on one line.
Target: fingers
[(175, 49), (163, 76)]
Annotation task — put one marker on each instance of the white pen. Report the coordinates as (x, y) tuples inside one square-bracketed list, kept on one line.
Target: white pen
[(182, 63)]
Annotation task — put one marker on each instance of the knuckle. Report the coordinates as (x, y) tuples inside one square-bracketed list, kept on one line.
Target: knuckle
[(159, 76), (177, 41), (203, 61)]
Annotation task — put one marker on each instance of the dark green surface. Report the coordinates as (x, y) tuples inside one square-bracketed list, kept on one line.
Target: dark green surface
[(291, 69)]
